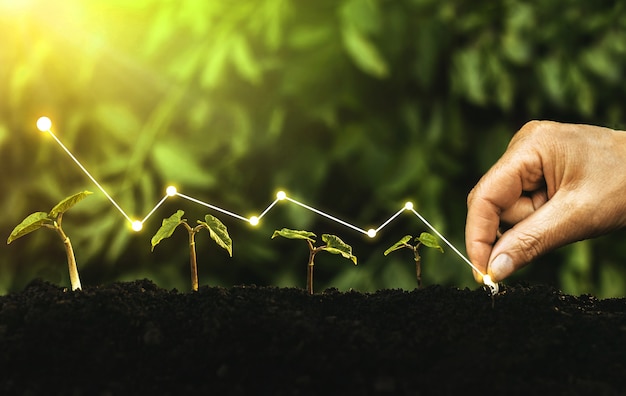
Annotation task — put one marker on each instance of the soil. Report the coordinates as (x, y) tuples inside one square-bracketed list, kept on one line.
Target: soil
[(136, 338)]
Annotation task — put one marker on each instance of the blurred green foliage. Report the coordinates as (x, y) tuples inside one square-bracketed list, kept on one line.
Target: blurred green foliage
[(353, 106)]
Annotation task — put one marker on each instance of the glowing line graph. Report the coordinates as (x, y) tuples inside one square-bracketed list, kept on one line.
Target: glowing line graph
[(44, 124)]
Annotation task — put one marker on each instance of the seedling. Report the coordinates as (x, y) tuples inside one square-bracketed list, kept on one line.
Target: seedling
[(53, 220), (333, 245), (217, 231), (425, 239)]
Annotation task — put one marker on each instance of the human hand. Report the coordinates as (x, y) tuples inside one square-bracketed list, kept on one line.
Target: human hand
[(555, 184)]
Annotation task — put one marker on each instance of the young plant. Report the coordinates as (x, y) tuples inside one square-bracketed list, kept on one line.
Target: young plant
[(425, 239), (217, 231), (53, 220), (333, 245)]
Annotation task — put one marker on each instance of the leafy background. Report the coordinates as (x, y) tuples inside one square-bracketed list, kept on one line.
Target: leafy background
[(352, 106)]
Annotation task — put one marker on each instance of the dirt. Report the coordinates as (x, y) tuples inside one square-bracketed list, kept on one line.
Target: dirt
[(136, 338)]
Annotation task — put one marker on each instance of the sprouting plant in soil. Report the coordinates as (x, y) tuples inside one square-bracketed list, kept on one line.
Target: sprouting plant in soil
[(217, 231), (53, 220), (333, 244), (424, 239)]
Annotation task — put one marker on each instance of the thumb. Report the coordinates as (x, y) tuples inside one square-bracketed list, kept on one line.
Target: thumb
[(554, 224)]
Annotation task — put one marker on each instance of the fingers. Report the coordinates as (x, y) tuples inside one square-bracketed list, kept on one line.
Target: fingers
[(499, 196), (524, 207), (554, 224)]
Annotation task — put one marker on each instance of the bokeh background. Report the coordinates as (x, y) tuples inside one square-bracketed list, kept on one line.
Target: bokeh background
[(351, 106)]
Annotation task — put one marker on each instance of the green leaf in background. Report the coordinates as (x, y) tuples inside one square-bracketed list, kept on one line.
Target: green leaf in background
[(244, 61), (364, 53), (167, 227), (218, 232), (399, 245), (364, 15), (215, 64), (429, 240), (173, 162), (294, 234), (335, 245), (67, 203), (29, 224)]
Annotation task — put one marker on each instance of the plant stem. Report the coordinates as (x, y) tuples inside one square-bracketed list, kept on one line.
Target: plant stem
[(418, 266), (309, 274), (192, 256), (71, 260), (193, 260)]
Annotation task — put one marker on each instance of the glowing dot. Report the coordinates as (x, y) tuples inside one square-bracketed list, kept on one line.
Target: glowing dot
[(281, 195), (408, 205), (137, 225), (171, 191), (493, 287), (371, 233), (44, 124), (254, 220)]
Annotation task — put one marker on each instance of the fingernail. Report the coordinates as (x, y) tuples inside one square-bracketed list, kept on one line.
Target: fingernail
[(501, 267)]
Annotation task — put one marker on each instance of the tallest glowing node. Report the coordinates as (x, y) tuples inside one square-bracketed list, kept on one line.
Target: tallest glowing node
[(44, 124), (171, 191)]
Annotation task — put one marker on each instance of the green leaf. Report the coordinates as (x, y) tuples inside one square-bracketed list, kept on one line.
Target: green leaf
[(67, 203), (364, 15), (29, 224), (218, 232), (293, 234), (429, 240), (470, 74), (167, 227), (172, 163), (399, 245), (335, 245), (364, 53), (215, 63), (244, 61)]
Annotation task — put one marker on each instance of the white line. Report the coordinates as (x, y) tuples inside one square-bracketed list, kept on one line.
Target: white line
[(312, 209), (90, 177), (267, 209), (213, 207), (390, 219), (319, 212), (155, 208), (446, 241)]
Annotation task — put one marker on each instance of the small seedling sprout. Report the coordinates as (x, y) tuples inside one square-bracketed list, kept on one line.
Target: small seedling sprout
[(333, 245), (217, 231), (425, 239), (53, 220)]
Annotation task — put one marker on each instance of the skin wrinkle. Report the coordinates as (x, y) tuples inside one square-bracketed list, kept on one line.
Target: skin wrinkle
[(530, 245), (544, 225)]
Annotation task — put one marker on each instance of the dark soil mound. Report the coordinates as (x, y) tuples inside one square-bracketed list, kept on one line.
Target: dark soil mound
[(135, 338)]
